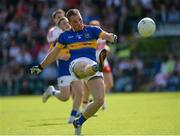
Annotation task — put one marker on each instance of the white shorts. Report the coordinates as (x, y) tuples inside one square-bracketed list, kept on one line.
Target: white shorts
[(65, 80), (89, 61)]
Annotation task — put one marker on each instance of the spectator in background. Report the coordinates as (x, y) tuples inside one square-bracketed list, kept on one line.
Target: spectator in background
[(173, 83), (122, 21), (131, 74), (124, 81), (163, 13), (161, 78), (173, 15), (137, 71)]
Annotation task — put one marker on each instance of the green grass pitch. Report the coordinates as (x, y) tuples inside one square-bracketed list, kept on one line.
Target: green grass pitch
[(127, 114)]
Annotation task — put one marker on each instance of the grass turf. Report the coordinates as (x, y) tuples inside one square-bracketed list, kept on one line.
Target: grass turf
[(132, 113)]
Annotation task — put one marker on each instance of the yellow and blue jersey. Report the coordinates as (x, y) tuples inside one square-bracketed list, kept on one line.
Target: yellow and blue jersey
[(81, 43)]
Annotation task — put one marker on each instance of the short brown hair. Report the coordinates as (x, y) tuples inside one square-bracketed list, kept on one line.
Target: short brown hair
[(57, 11), (72, 12)]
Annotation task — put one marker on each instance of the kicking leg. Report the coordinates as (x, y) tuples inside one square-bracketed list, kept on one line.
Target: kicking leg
[(83, 69)]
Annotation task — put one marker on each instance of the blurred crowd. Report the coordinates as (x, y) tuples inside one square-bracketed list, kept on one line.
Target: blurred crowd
[(162, 74), (25, 23)]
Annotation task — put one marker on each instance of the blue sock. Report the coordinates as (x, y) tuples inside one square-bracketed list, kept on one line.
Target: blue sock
[(73, 113), (81, 120)]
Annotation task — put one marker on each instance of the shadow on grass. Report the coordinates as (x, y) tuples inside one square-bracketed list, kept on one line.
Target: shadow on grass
[(47, 119), (46, 124), (95, 115)]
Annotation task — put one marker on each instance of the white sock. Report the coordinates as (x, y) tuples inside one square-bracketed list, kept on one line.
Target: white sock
[(104, 106), (55, 92)]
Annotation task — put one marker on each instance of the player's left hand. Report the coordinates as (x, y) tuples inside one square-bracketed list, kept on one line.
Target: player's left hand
[(115, 38), (36, 70)]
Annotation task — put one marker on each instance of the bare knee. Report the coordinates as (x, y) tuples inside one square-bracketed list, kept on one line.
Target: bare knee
[(65, 93), (65, 98)]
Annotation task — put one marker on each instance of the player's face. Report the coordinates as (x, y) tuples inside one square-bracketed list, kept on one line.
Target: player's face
[(64, 25), (57, 17), (76, 22)]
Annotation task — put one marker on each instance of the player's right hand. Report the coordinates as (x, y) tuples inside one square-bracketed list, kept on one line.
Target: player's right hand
[(36, 70)]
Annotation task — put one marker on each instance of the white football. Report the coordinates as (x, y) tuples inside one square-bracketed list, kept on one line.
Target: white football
[(146, 27)]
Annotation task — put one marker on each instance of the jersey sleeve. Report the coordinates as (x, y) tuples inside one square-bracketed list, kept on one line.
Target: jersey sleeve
[(98, 32), (53, 34), (49, 36), (60, 41), (51, 45)]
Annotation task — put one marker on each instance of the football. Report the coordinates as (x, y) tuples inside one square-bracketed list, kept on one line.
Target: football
[(146, 27)]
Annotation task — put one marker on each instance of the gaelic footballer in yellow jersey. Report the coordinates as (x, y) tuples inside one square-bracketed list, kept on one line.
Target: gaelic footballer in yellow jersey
[(81, 41)]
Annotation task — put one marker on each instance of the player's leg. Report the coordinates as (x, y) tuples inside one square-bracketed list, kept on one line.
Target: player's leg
[(77, 91), (85, 97), (66, 84), (97, 88), (50, 91), (63, 93), (96, 85), (108, 80), (84, 69)]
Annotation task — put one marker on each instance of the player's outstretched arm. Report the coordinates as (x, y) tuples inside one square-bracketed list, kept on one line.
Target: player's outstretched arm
[(110, 37), (51, 57)]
